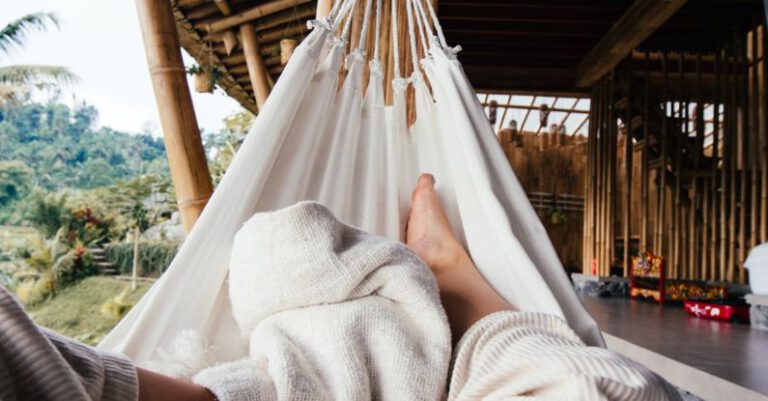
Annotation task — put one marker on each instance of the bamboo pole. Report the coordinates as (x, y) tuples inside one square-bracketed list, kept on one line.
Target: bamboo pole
[(257, 12), (596, 181), (588, 236), (725, 183), (662, 192), (700, 245), (627, 178), (600, 194), (644, 159), (754, 138), (612, 192), (257, 72), (762, 83), (678, 219), (323, 8), (744, 144), (732, 134), (136, 257), (184, 147), (715, 171)]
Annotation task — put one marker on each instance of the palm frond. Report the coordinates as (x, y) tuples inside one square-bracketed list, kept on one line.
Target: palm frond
[(13, 94), (38, 76), (15, 33)]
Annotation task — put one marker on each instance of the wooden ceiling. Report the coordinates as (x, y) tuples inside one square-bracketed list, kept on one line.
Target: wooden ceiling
[(542, 46)]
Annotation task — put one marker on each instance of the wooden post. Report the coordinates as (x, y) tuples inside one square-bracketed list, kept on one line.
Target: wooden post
[(679, 212), (660, 210), (136, 258), (724, 186), (644, 158), (184, 148), (762, 83), (593, 179), (732, 134), (715, 170), (628, 153), (613, 130), (754, 137), (601, 226), (256, 69), (745, 141), (699, 259)]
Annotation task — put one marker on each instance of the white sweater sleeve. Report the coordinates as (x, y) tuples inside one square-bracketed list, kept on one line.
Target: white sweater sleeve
[(515, 355)]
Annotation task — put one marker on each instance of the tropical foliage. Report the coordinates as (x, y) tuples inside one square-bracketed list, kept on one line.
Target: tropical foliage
[(17, 82), (154, 256), (52, 148)]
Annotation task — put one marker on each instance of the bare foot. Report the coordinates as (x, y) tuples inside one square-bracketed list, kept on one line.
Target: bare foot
[(428, 232), (465, 294)]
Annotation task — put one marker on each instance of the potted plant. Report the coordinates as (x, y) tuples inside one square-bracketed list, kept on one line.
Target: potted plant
[(206, 77)]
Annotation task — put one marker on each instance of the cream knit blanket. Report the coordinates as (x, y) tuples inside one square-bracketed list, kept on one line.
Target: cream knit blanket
[(330, 313)]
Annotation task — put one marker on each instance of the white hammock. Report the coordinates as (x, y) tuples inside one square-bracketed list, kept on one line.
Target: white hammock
[(360, 158)]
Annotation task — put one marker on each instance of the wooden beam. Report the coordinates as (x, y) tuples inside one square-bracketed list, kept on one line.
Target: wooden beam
[(323, 8), (223, 6), (641, 19), (184, 147), (256, 69), (260, 11), (230, 41)]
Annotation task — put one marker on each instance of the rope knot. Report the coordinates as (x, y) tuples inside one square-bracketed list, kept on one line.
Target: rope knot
[(400, 84), (416, 77), (355, 56), (375, 66), (323, 23)]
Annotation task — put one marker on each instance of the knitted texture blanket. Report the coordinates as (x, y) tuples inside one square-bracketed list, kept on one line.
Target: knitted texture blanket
[(330, 313)]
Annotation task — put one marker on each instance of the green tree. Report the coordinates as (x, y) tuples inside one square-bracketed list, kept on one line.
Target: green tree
[(18, 81), (49, 259), (15, 181), (221, 147), (48, 213)]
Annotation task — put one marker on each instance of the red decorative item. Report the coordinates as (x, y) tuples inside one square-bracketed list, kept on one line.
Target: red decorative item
[(718, 310)]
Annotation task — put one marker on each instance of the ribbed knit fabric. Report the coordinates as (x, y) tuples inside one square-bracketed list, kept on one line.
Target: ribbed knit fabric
[(330, 313), (37, 364), (535, 356)]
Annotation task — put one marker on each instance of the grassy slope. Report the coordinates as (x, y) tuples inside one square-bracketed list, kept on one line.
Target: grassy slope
[(75, 311)]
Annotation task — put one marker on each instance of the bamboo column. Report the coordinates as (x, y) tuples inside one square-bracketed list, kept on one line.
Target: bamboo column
[(754, 137), (628, 177), (323, 8), (644, 158), (257, 71), (733, 132), (604, 163), (725, 184), (715, 219), (744, 144), (679, 212), (613, 135), (662, 186), (589, 200), (762, 82), (184, 147), (699, 243)]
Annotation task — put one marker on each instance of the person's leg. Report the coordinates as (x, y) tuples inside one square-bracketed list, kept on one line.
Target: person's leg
[(465, 294), (504, 353)]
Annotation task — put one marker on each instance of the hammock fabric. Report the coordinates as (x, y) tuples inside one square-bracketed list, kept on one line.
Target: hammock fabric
[(360, 158)]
